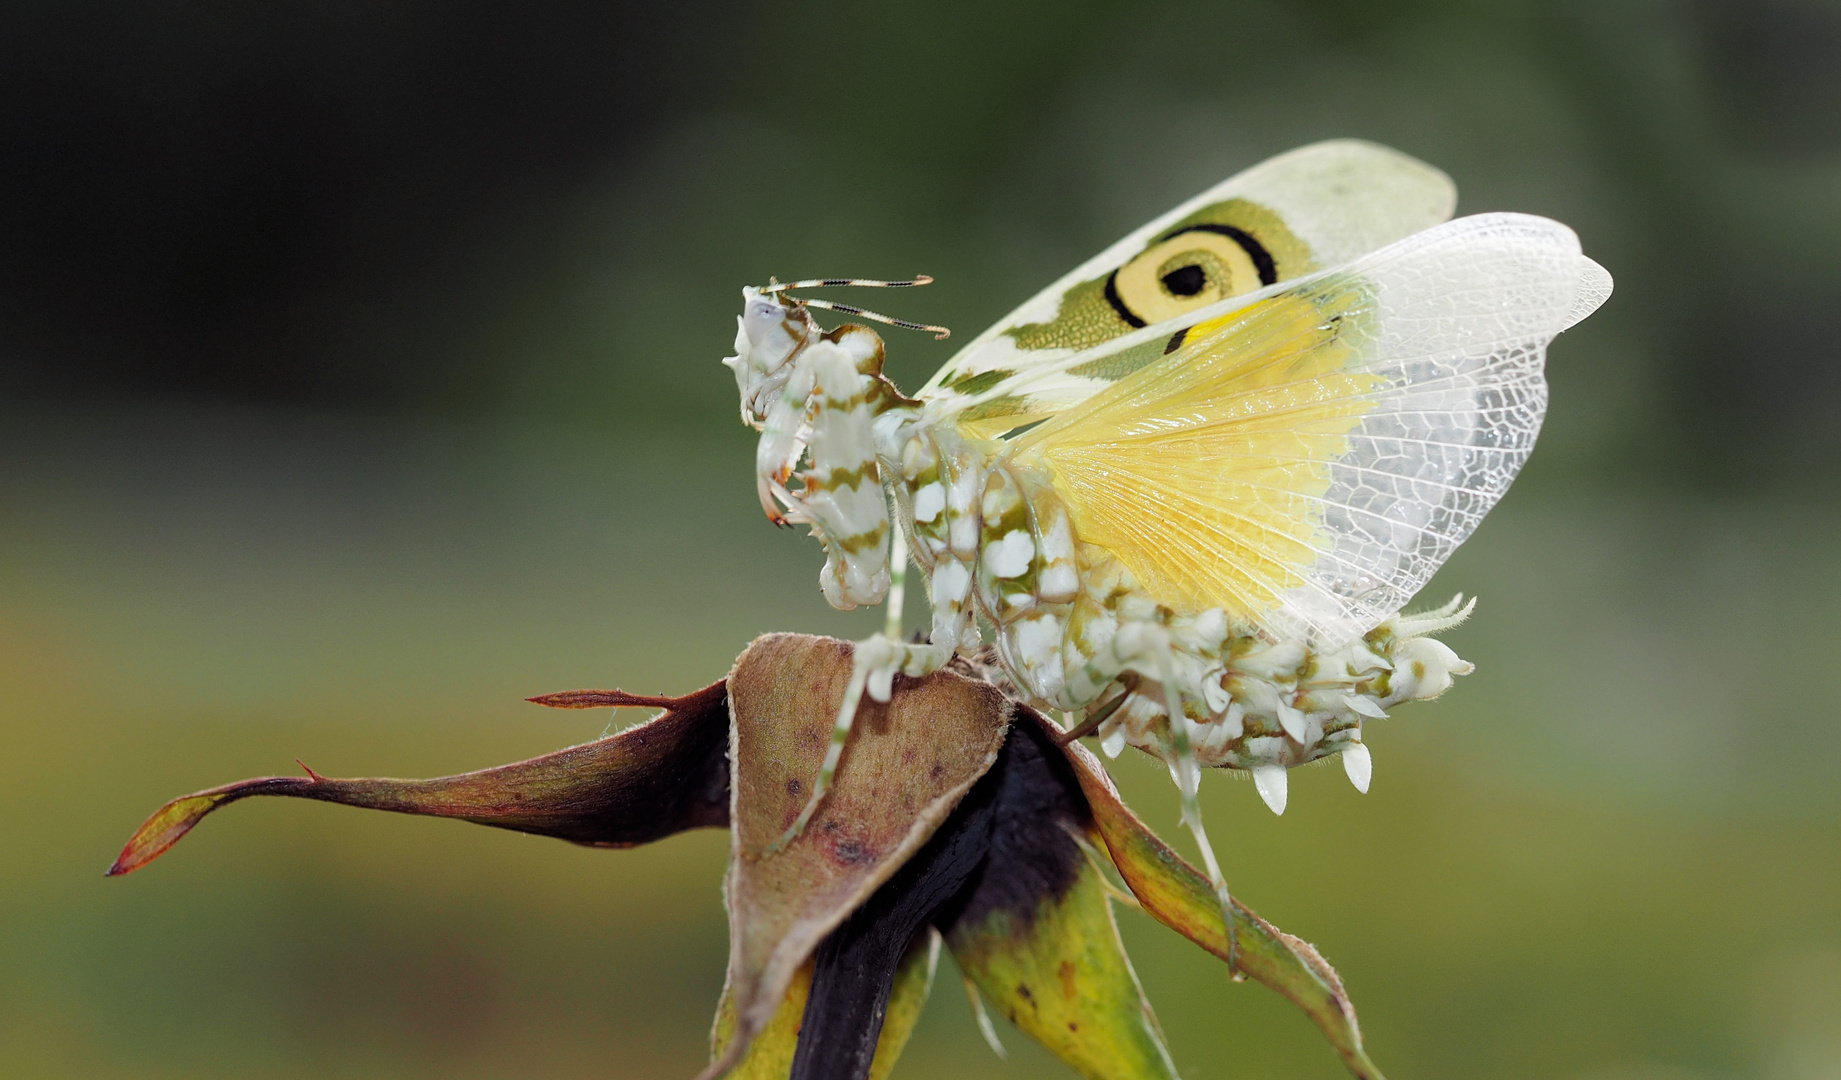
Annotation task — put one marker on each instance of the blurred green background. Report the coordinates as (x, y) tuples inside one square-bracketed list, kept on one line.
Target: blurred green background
[(358, 379)]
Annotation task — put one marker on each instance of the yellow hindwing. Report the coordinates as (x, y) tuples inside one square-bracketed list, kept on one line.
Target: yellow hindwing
[(1204, 472)]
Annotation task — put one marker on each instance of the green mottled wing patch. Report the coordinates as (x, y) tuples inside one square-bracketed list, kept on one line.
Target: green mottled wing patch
[(978, 382), (1083, 318), (1112, 366)]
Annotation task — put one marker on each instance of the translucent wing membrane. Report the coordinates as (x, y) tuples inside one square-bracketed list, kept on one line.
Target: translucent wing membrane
[(1306, 460), (1312, 208)]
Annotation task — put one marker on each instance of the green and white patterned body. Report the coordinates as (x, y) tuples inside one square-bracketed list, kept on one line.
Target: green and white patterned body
[(993, 538)]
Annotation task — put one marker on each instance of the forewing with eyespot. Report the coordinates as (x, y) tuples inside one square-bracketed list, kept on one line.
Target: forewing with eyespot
[(1315, 207)]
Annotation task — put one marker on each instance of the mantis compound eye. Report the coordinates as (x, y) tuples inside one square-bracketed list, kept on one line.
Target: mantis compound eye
[(761, 318)]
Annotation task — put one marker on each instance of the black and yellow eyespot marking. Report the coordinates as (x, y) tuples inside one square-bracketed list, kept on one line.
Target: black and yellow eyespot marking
[(1226, 249), (1189, 268)]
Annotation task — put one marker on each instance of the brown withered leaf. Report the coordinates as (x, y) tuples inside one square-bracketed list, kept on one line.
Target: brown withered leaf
[(643, 784), (907, 766)]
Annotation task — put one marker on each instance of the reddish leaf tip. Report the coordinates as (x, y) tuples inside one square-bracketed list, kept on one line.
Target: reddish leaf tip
[(170, 822), (160, 832), (620, 699), (603, 699)]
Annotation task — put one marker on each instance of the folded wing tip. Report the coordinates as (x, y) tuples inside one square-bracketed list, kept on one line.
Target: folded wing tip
[(1595, 287)]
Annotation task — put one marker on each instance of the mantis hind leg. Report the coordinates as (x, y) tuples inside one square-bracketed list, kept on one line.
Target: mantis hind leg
[(1153, 650), (1188, 773)]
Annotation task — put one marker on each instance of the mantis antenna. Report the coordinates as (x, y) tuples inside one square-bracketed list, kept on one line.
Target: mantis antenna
[(867, 283), (940, 333)]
